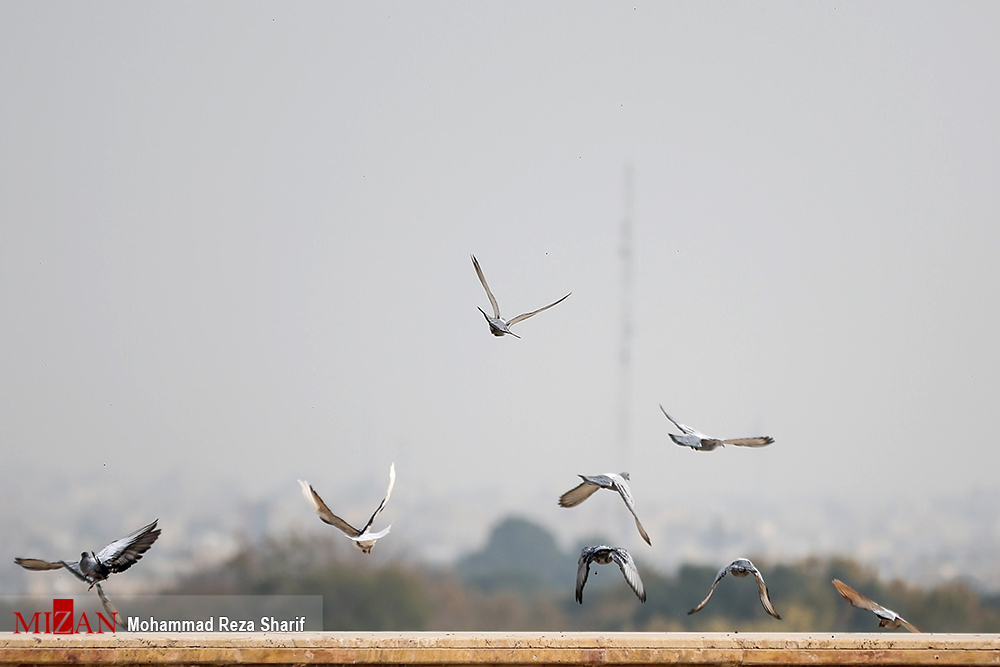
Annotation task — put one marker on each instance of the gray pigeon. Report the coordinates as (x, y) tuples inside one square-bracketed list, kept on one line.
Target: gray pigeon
[(362, 538), (602, 555), (591, 483), (498, 325), (92, 568), (741, 567), (887, 618), (703, 443)]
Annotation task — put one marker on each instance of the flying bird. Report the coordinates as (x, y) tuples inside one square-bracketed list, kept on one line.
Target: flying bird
[(697, 440), (362, 538), (590, 485), (92, 568), (741, 567), (498, 325), (602, 555), (887, 618)]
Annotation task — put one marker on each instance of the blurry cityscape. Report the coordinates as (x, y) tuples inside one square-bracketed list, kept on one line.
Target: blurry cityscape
[(458, 563), (521, 580)]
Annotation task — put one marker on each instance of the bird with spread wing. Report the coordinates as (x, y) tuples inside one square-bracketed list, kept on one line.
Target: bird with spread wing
[(602, 555), (741, 567), (362, 538), (887, 618), (610, 480), (92, 568), (498, 325), (703, 443)]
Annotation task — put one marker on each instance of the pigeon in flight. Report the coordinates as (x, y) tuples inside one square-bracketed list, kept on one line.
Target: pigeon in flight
[(602, 555), (591, 483), (697, 440), (498, 325), (741, 567), (887, 618), (362, 538), (92, 568)]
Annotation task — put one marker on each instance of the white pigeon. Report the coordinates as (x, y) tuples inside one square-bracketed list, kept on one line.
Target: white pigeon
[(602, 555), (590, 485), (703, 443), (498, 325), (92, 568), (741, 567), (887, 618), (362, 538)]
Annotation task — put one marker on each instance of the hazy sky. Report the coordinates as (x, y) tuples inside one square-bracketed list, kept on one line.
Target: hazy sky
[(235, 239)]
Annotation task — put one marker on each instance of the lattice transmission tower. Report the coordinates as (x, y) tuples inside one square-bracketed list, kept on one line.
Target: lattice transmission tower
[(625, 333)]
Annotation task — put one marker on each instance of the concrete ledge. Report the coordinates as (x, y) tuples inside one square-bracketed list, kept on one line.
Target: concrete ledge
[(432, 648)]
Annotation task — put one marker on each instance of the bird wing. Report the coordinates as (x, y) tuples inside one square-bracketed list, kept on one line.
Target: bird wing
[(909, 626), (534, 312), (482, 279), (765, 599), (583, 569), (685, 429), (110, 608), (365, 537), (324, 513), (622, 487), (627, 566), (577, 494), (723, 572), (762, 441), (121, 554), (38, 565), (692, 441), (858, 600), (388, 492), (603, 481)]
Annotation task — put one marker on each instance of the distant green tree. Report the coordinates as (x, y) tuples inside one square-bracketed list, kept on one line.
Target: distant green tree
[(358, 594), (522, 581), (520, 555)]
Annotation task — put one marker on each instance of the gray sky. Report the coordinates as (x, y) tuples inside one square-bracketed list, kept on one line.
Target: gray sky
[(235, 238)]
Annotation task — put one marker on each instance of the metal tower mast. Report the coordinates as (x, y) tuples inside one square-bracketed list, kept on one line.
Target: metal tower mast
[(625, 340)]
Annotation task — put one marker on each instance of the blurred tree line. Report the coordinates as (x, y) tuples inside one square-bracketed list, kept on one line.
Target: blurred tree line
[(521, 580)]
